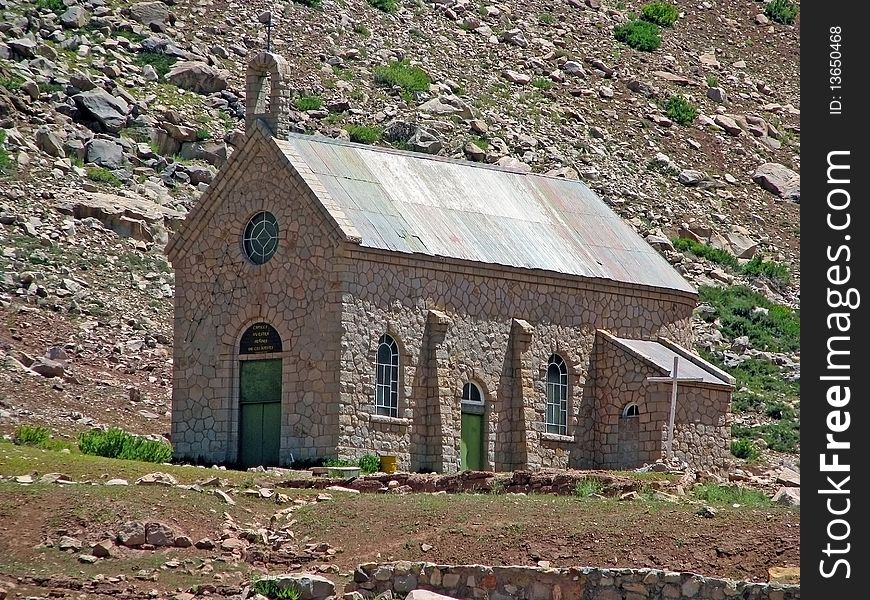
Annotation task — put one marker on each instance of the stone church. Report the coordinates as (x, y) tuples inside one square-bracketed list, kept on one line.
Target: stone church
[(335, 299)]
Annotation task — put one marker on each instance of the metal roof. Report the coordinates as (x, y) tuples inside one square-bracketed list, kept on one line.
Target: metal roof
[(663, 357), (413, 203)]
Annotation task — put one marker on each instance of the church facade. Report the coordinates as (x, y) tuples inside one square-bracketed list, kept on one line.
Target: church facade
[(334, 300)]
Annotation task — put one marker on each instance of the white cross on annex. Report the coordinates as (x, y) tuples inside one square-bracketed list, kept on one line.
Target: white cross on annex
[(673, 379)]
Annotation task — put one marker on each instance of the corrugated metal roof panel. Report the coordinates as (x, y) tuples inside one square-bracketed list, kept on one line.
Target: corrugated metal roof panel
[(663, 357), (408, 202)]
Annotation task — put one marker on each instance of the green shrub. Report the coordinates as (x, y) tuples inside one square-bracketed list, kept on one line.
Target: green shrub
[(781, 11), (546, 18), (161, 62), (542, 83), (273, 590), (712, 80), (338, 462), (714, 255), (370, 463), (5, 159), (400, 73), (730, 494), (202, 134), (777, 329), (103, 175), (664, 14), (744, 448), (310, 3), (362, 29), (55, 6), (638, 34), (680, 110), (117, 443), (32, 435), (308, 103), (588, 486), (779, 410), (130, 35), (363, 134), (388, 6), (775, 271), (11, 83)]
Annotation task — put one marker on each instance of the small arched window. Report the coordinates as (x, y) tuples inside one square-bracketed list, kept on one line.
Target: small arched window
[(630, 410), (557, 396), (471, 394), (387, 378)]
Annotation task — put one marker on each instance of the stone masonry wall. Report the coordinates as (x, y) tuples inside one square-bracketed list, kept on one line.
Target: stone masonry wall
[(701, 434), (534, 583), (219, 293), (481, 309)]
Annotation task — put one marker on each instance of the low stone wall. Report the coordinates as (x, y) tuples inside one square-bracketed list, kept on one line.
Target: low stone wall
[(534, 583), (561, 482)]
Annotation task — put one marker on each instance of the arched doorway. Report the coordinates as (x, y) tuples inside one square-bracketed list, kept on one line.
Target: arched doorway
[(472, 455), (259, 397), (628, 436)]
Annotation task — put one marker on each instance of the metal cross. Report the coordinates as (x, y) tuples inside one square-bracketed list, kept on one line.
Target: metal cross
[(673, 381), (266, 19)]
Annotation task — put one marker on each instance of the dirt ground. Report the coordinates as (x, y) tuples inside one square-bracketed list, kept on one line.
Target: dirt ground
[(494, 529)]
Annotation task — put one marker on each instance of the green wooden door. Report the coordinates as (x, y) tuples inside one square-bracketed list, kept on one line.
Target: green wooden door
[(471, 442), (260, 419)]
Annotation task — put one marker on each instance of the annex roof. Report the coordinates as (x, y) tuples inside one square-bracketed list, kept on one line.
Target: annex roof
[(690, 366), (413, 203)]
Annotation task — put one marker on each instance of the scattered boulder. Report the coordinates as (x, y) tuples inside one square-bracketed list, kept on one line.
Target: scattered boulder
[(69, 543), (717, 94), (75, 17), (133, 216), (789, 496), (47, 367), (103, 549), (198, 77), (105, 153), (157, 479), (691, 177), (780, 180), (131, 534), (788, 477), (159, 534), (107, 112), (516, 77), (447, 105), (154, 14), (49, 142), (22, 47), (728, 124)]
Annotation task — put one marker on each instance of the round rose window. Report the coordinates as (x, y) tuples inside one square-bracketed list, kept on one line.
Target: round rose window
[(261, 237)]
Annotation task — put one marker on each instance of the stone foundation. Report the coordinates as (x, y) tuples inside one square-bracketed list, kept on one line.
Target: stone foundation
[(533, 583)]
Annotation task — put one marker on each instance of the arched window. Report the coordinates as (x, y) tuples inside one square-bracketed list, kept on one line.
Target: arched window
[(471, 394), (557, 396), (387, 378), (630, 410)]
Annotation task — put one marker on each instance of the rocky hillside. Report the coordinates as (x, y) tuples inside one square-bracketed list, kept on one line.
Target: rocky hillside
[(116, 115)]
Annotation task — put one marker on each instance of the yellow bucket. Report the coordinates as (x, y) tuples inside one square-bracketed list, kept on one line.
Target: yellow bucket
[(389, 463)]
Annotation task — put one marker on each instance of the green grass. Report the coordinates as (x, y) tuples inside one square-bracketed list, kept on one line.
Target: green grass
[(308, 103), (712, 80), (730, 494), (542, 83), (12, 83), (744, 448), (117, 443), (400, 73), (161, 62), (714, 255), (777, 330), (202, 134), (480, 142), (388, 6), (781, 436), (587, 487), (363, 134), (310, 3), (47, 87), (130, 35), (781, 11), (638, 34), (5, 159), (680, 110), (38, 437), (55, 6), (103, 175), (775, 271), (663, 14)]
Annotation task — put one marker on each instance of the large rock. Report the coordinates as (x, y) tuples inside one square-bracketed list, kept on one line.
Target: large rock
[(310, 587), (728, 124), (131, 534), (108, 111), (198, 77), (425, 141), (159, 534), (49, 142), (788, 477), (214, 153), (47, 367), (780, 180), (157, 478), (22, 47), (789, 496), (690, 177), (75, 17), (447, 105), (425, 595), (105, 153), (148, 13), (133, 217)]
